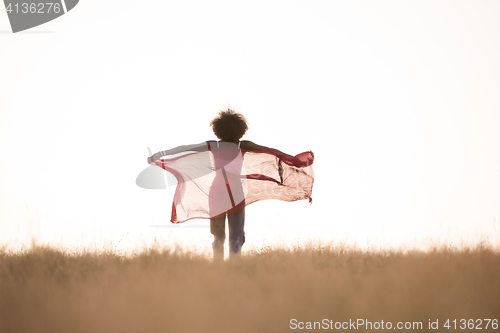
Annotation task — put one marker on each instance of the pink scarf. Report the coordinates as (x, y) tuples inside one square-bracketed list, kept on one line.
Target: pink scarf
[(223, 180)]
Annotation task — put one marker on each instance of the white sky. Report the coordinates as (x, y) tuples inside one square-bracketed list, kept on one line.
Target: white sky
[(398, 100)]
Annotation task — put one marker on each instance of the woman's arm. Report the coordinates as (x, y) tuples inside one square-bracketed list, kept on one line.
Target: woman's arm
[(177, 150), (249, 145)]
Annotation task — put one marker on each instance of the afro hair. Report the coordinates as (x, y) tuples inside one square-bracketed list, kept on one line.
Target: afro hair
[(229, 125)]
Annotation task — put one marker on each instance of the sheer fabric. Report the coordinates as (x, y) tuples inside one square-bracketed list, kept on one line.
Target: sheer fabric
[(223, 180)]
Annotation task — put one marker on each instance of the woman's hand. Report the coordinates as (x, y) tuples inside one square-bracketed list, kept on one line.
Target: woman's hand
[(153, 158)]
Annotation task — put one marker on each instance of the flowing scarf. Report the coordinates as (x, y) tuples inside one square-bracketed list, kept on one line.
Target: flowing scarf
[(223, 180)]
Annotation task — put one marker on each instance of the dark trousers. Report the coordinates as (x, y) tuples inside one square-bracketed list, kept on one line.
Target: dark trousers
[(236, 223)]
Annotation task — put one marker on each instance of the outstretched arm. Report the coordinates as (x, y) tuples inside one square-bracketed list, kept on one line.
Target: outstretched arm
[(249, 145), (177, 150)]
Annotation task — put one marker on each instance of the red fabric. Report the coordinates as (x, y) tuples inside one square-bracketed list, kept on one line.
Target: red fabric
[(224, 180)]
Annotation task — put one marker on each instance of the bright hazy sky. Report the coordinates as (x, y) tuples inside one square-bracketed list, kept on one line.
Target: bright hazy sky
[(398, 100)]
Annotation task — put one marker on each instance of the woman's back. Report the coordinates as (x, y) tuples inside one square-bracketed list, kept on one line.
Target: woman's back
[(229, 186)]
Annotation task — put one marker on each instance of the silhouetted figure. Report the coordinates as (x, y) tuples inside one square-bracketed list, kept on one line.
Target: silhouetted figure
[(230, 183)]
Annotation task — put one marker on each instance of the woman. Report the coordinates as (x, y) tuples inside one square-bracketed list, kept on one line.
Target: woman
[(228, 187)]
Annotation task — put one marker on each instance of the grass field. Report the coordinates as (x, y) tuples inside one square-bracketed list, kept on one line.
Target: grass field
[(270, 290)]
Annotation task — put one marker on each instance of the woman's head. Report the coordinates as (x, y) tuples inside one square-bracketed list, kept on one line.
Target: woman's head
[(229, 125)]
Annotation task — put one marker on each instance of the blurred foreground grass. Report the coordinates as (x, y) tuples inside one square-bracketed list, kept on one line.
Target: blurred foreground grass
[(47, 290)]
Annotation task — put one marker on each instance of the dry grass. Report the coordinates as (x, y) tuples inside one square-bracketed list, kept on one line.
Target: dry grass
[(46, 290)]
